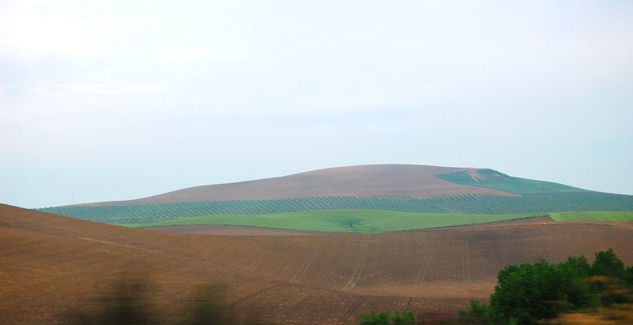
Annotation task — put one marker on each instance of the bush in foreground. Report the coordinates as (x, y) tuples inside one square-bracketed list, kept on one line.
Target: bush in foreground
[(571, 292), (388, 318), (528, 293)]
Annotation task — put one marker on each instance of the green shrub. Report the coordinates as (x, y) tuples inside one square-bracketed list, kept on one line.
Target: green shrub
[(388, 318), (608, 264), (529, 293), (479, 314)]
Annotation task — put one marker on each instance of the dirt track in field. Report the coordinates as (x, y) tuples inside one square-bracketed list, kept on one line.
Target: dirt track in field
[(51, 263)]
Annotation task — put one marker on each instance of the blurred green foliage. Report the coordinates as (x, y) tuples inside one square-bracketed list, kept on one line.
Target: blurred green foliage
[(389, 318), (129, 303), (530, 293)]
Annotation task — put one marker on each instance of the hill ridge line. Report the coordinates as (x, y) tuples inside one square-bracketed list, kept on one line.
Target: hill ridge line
[(397, 180)]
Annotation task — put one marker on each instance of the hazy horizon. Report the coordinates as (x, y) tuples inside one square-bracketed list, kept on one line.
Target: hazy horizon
[(123, 100)]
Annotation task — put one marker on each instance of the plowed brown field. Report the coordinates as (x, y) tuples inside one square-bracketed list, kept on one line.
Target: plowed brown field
[(51, 263)]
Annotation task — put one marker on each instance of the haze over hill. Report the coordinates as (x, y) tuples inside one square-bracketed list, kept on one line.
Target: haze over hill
[(97, 104), (412, 181)]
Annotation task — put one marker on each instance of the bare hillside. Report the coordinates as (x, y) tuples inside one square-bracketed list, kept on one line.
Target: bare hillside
[(416, 181), (52, 263)]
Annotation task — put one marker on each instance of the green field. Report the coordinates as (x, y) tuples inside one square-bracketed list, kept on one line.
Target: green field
[(481, 204), (367, 221), (593, 215), (499, 181)]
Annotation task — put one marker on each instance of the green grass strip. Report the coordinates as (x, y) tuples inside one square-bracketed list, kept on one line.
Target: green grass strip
[(365, 221), (593, 215)]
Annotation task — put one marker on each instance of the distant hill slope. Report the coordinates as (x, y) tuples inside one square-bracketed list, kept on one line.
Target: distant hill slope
[(489, 178), (407, 188), (412, 181), (487, 204)]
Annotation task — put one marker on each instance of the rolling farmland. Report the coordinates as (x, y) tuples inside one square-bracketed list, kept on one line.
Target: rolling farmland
[(51, 263), (384, 237), (484, 204), (388, 189), (412, 181)]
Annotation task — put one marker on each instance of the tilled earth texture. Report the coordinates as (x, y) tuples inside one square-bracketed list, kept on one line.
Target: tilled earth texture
[(51, 265)]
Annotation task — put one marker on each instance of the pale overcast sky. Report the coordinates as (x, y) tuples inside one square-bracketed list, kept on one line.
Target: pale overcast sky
[(112, 100)]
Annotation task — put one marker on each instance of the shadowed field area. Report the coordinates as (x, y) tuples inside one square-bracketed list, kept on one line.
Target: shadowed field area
[(51, 264)]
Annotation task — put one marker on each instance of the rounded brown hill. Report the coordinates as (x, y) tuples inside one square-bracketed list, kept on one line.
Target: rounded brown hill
[(415, 181), (51, 264)]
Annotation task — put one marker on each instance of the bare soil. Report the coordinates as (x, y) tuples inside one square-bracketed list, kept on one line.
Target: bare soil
[(51, 264), (415, 181)]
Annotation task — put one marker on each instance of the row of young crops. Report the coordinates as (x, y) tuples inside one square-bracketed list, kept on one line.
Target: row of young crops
[(469, 203)]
